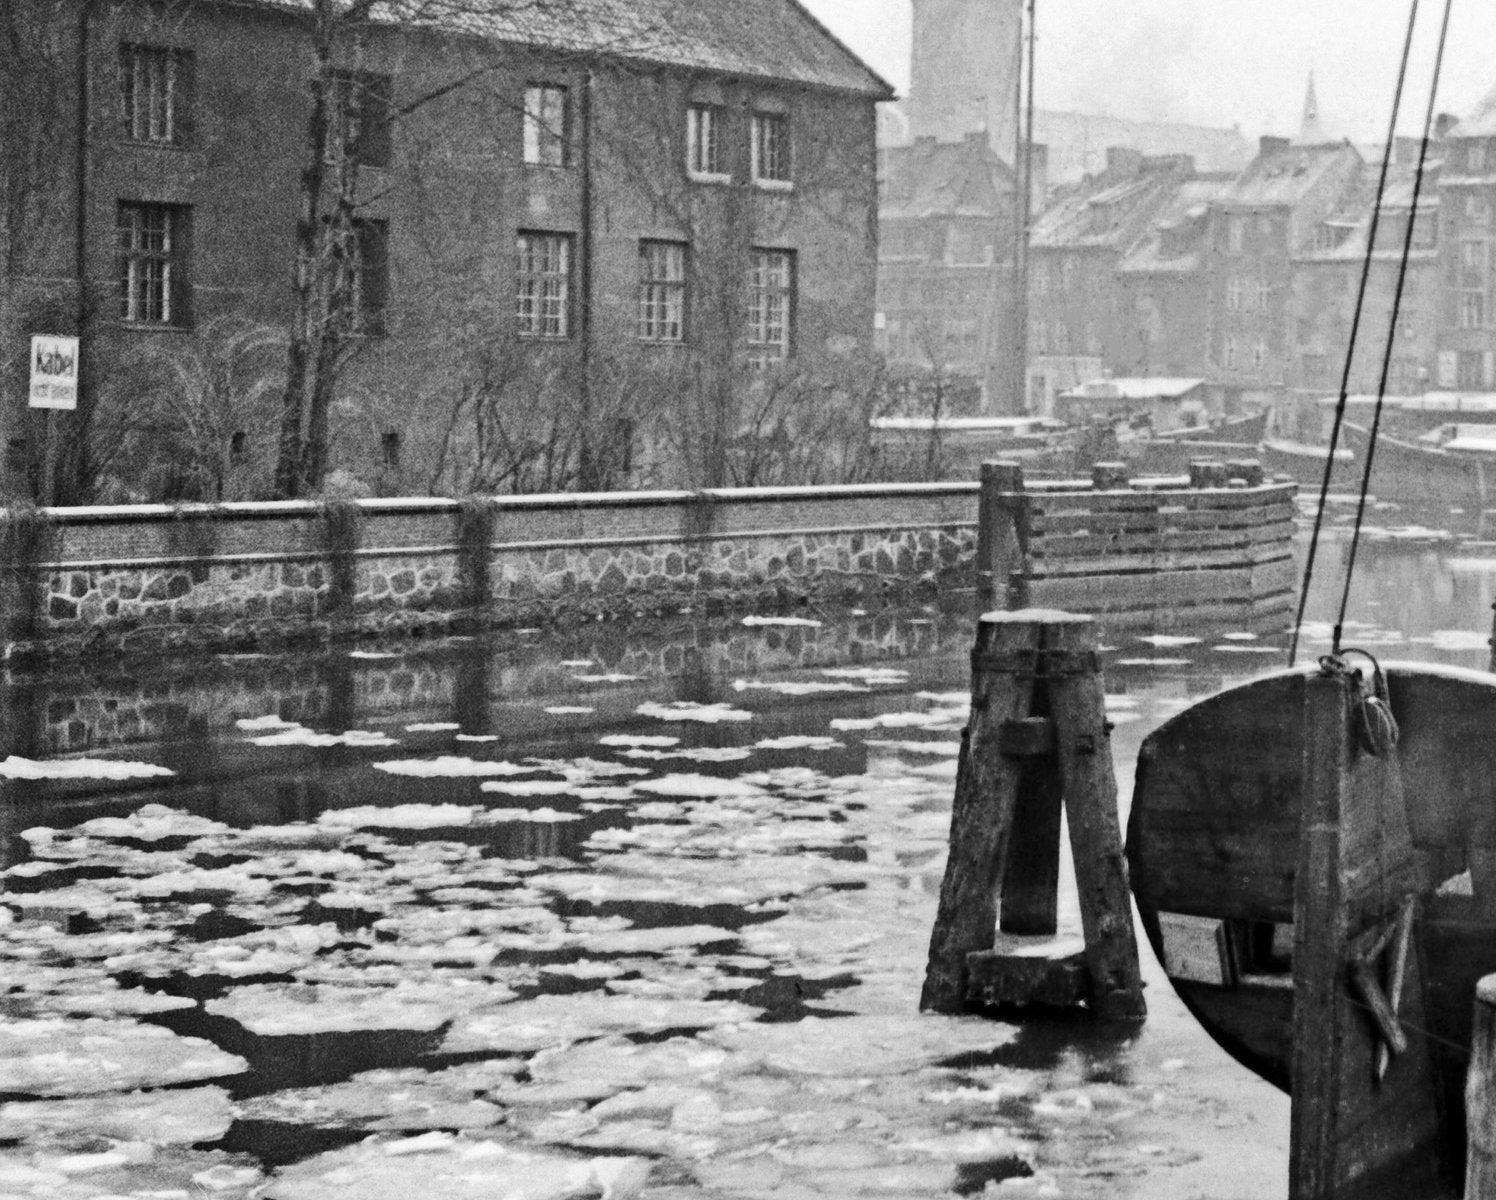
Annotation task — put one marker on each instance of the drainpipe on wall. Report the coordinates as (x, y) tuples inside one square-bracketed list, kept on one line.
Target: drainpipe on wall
[(80, 249), (584, 152)]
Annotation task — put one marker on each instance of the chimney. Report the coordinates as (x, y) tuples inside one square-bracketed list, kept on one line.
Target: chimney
[(1271, 144), (1038, 177), (1443, 123), (1120, 160)]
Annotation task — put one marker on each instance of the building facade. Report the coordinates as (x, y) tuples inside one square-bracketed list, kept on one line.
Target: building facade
[(541, 216)]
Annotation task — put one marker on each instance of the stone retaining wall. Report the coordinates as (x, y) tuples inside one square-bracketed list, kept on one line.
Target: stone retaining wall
[(149, 577)]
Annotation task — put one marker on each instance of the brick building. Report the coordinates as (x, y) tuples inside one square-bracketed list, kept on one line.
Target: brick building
[(945, 263), (560, 201), (1467, 252)]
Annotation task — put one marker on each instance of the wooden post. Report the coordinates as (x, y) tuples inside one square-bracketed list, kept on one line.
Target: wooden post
[(1480, 1097), (1002, 537), (981, 813), (1089, 782), (1356, 871), (1036, 739)]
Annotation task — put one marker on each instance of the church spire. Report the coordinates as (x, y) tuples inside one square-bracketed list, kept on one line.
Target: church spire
[(1311, 132)]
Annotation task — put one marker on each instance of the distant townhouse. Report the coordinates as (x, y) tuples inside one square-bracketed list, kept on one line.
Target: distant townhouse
[(945, 264), (540, 191), (1467, 232), (1269, 214), (1076, 305)]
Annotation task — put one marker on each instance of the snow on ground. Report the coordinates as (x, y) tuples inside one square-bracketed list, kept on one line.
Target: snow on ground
[(14, 767)]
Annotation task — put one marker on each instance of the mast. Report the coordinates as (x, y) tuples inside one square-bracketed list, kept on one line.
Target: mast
[(1023, 125)]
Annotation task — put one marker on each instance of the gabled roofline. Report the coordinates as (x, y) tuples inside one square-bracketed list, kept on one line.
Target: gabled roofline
[(889, 89)]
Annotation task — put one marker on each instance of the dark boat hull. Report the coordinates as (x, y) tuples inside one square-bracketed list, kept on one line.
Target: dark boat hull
[(1214, 832), (1407, 473)]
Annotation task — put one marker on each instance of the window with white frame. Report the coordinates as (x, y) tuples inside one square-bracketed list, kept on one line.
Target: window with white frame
[(1233, 293), (662, 291), (543, 293), (1236, 233), (1473, 309), (155, 91), (1264, 295), (705, 152), (771, 148), (771, 288), (153, 263), (545, 125)]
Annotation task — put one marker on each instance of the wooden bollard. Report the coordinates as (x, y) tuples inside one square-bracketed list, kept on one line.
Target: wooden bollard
[(1038, 721), (1248, 470), (1109, 476), (1002, 537), (1480, 1097), (1208, 473)]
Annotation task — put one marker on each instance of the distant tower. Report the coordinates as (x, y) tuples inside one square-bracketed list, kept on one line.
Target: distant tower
[(965, 70), (1311, 132)]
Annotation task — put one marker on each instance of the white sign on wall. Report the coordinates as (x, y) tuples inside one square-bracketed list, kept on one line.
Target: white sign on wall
[(54, 372)]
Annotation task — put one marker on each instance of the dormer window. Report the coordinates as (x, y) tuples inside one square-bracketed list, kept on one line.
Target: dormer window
[(1475, 157)]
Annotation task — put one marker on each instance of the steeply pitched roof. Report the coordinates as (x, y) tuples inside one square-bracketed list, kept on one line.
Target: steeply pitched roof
[(767, 39), (1480, 121), (1189, 204), (944, 179), (1104, 213), (1284, 177)]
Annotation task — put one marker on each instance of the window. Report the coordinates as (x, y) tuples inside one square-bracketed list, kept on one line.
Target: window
[(1233, 293), (1316, 370), (704, 149), (1473, 262), (544, 292), (1475, 157), (1228, 353), (662, 291), (389, 448), (1471, 365), (1472, 310), (153, 264), (1259, 354), (771, 147), (367, 253), (771, 285), (1477, 210), (155, 91), (546, 116), (361, 110), (1264, 294), (1236, 233)]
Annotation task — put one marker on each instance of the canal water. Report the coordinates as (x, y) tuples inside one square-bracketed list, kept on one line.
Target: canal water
[(630, 910)]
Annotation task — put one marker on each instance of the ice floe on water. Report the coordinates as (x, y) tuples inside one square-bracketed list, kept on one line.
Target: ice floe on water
[(793, 687), (398, 816), (1456, 639), (543, 816), (448, 766), (56, 1056), (277, 1010), (15, 767), (167, 1118), (1169, 639), (299, 735), (633, 739), (691, 710), (433, 727), (789, 622), (717, 754), (607, 677), (1153, 662), (569, 710), (869, 675), (802, 741)]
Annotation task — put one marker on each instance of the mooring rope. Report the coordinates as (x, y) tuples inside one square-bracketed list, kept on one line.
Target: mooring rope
[(1350, 350), (1397, 295)]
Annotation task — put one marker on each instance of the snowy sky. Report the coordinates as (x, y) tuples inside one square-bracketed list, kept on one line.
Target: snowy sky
[(1221, 62)]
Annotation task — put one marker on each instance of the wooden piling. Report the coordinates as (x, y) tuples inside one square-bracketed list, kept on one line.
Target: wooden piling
[(1036, 740), (1356, 875), (1480, 1097), (1002, 537)]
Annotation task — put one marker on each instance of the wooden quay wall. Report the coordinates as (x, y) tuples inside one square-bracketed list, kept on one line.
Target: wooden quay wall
[(1215, 545)]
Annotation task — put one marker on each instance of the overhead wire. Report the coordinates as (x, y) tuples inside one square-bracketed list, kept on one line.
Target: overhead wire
[(1350, 350), (1397, 295)]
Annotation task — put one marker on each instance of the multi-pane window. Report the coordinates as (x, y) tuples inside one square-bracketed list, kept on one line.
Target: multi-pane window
[(362, 117), (1472, 310), (543, 298), (155, 91), (1233, 293), (771, 147), (1264, 295), (771, 287), (366, 251), (545, 125), (662, 291), (153, 263), (704, 142), (1236, 233)]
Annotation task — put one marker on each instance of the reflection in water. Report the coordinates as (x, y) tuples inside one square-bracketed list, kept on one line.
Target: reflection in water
[(686, 957)]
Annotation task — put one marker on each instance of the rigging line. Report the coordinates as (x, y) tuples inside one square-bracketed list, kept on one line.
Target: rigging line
[(1397, 295), (1350, 350)]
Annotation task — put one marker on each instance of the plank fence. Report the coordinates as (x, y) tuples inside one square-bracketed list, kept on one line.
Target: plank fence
[(1217, 543)]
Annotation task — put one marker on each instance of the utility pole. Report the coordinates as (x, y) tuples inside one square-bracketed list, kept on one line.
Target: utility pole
[(1023, 144)]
